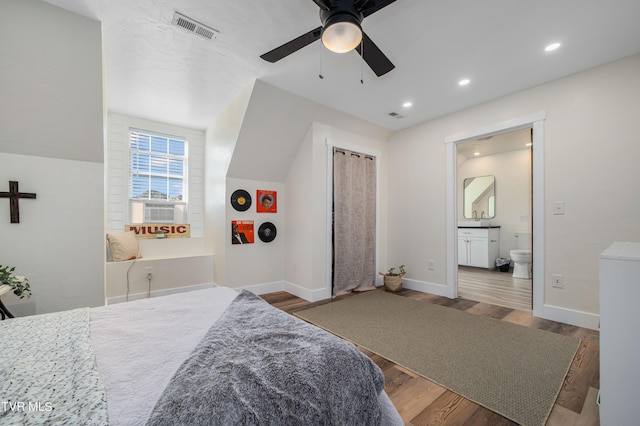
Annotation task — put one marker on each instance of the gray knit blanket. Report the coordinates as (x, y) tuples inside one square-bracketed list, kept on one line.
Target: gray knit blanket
[(258, 365)]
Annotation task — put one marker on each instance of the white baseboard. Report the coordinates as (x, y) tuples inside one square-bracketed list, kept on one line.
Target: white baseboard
[(263, 288), (158, 293), (553, 313), (425, 287), (569, 316), (296, 290), (306, 294)]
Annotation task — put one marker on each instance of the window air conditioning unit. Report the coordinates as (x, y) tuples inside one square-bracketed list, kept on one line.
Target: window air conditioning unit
[(159, 213)]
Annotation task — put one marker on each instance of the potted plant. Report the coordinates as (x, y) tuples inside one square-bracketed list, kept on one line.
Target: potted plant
[(393, 280), (18, 283), (160, 233)]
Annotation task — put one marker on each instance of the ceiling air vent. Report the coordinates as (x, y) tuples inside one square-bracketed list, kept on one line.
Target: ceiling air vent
[(194, 26), (396, 115)]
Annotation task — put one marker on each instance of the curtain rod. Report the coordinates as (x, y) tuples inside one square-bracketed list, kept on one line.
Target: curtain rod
[(353, 154)]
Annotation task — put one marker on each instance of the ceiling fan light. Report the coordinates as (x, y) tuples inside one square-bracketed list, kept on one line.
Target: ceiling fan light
[(342, 36)]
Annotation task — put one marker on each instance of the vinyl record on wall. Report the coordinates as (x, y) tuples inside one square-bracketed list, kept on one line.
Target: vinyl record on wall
[(241, 200), (267, 232)]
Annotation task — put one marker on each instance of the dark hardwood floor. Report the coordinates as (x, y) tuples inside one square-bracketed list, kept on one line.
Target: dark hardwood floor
[(422, 402)]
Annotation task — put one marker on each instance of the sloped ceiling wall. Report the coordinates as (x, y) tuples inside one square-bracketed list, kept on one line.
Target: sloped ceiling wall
[(39, 115), (275, 125)]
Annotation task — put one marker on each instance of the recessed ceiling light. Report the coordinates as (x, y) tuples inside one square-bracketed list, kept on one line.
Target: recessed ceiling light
[(407, 104), (464, 82), (529, 144), (552, 47), (476, 153)]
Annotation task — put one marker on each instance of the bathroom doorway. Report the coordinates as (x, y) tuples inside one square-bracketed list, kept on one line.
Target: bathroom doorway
[(533, 121), (502, 211)]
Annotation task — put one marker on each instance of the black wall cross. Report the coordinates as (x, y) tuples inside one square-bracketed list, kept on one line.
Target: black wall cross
[(14, 195)]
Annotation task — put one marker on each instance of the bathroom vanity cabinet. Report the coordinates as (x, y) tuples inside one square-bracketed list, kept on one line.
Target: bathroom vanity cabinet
[(619, 344), (478, 246)]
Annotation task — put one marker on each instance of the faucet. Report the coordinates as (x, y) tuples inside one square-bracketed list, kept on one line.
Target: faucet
[(475, 215), (482, 215)]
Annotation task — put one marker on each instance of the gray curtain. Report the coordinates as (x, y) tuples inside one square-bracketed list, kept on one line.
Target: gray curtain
[(354, 225)]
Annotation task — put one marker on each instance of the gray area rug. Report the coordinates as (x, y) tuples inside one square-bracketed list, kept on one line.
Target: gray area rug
[(513, 370)]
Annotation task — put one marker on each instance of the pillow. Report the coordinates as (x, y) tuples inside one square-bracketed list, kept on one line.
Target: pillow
[(124, 246)]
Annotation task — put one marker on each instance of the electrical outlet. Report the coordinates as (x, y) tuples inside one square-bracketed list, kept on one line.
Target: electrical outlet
[(431, 264), (557, 281), (558, 207), (149, 271)]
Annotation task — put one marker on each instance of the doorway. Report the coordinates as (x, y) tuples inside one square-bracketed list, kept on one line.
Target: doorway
[(360, 220), (494, 192), (535, 122)]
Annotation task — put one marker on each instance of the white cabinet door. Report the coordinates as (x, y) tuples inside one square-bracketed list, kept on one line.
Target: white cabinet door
[(478, 247), (463, 251), (478, 250)]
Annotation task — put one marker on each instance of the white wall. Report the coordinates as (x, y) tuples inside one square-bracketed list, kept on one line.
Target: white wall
[(590, 154), (272, 137), (59, 243), (221, 139), (188, 254), (306, 259), (275, 124), (299, 211), (128, 280), (260, 263), (51, 80), (51, 142)]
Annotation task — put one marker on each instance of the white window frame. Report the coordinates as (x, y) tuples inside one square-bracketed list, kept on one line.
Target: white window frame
[(180, 207), (117, 170)]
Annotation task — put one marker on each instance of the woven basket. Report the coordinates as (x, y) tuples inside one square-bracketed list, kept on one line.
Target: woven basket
[(393, 283)]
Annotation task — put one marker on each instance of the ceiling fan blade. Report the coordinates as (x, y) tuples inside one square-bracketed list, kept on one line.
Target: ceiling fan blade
[(292, 46), (323, 4), (375, 6), (373, 56)]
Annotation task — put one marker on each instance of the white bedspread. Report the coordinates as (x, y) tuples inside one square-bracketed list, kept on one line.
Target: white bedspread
[(139, 345)]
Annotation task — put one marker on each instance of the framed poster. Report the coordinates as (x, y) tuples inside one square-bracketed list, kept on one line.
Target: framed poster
[(242, 232), (267, 201)]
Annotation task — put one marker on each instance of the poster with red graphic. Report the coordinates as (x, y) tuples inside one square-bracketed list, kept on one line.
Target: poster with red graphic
[(241, 232), (267, 201)]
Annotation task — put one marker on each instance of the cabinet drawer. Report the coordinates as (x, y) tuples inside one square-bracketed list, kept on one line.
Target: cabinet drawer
[(471, 232)]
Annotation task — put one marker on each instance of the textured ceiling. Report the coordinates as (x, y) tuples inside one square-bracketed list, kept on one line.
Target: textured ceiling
[(158, 71)]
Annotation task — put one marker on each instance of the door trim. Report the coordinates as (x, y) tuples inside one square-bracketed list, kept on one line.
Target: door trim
[(536, 121)]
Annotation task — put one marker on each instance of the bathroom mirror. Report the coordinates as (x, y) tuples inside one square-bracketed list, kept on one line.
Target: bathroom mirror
[(479, 197)]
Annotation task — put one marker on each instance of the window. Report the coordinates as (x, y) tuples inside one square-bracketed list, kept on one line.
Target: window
[(157, 178)]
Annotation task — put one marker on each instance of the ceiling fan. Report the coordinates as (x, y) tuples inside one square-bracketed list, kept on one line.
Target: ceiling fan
[(341, 32)]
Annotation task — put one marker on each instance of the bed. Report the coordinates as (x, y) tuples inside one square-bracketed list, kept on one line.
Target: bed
[(213, 356)]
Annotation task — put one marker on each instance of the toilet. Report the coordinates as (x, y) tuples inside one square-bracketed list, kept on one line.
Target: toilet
[(522, 256)]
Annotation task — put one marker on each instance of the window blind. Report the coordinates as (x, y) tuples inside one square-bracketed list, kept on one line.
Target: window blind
[(157, 167)]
